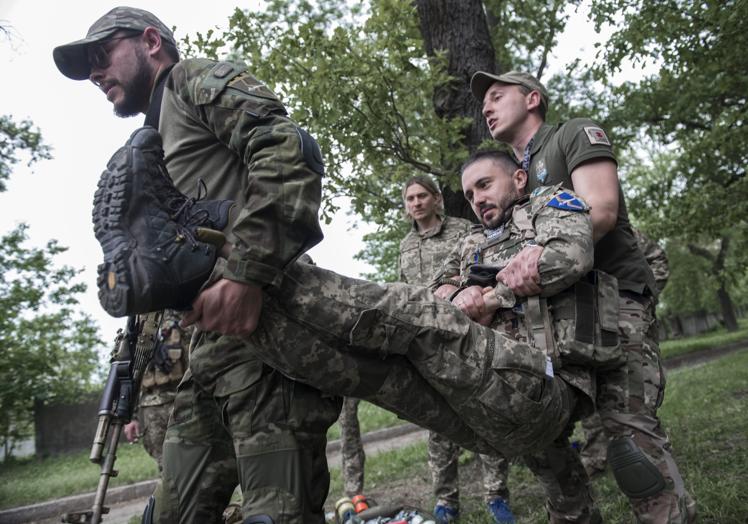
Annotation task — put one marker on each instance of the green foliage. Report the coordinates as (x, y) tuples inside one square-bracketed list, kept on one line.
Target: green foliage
[(695, 104), (685, 170), (691, 287), (47, 349), (382, 250), (15, 137)]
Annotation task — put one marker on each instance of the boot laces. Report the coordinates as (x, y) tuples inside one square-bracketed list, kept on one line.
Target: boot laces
[(181, 211)]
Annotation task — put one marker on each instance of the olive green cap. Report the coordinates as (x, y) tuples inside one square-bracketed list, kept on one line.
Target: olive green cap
[(481, 81), (72, 59)]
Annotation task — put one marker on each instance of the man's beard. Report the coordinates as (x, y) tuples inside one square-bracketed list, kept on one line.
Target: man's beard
[(137, 90), (505, 205)]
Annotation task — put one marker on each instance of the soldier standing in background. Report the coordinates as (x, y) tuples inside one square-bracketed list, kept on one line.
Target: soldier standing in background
[(352, 453), (422, 252), (595, 439), (159, 387)]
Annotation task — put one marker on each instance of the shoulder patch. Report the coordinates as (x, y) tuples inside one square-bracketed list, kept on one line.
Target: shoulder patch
[(567, 202), (213, 82), (596, 135)]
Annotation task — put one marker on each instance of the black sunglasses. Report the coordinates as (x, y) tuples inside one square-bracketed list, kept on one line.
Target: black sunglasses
[(98, 56)]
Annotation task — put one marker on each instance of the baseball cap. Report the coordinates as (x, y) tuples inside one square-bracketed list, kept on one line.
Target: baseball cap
[(72, 59), (481, 81)]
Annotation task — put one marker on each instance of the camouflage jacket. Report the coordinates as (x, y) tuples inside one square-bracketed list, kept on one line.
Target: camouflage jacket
[(564, 233), (422, 254), (656, 258), (221, 125), (553, 218)]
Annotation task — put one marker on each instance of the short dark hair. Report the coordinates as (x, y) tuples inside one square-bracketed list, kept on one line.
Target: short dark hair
[(500, 158), (542, 110)]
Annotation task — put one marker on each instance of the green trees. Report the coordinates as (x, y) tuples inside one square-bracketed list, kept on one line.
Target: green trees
[(686, 122), (47, 348)]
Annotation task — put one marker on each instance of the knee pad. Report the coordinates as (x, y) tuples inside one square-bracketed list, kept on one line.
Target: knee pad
[(148, 511), (634, 472), (258, 519)]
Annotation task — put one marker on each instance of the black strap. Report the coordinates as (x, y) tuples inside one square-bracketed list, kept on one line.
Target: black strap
[(585, 321), (153, 114)]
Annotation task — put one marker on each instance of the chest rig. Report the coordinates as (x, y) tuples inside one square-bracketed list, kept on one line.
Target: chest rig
[(578, 326), (168, 364)]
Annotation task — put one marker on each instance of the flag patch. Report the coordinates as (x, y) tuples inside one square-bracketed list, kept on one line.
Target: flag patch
[(567, 202), (596, 136)]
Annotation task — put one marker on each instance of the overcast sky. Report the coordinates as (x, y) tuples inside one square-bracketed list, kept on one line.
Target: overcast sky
[(55, 196)]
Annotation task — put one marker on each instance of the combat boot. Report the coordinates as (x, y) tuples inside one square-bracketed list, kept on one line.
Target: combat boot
[(159, 246)]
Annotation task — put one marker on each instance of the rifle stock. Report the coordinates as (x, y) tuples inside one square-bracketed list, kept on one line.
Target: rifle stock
[(134, 349)]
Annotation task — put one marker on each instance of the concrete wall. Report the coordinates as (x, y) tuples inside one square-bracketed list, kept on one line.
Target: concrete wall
[(61, 428)]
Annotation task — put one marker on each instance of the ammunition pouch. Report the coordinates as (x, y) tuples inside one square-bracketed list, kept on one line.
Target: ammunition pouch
[(586, 321), (168, 362)]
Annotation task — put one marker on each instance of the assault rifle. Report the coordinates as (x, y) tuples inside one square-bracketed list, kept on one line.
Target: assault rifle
[(133, 350)]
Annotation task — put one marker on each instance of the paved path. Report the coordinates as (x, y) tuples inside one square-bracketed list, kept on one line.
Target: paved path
[(128, 501)]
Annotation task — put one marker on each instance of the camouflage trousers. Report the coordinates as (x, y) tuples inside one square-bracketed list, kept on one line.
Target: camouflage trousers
[(403, 349), (627, 401), (153, 423), (352, 449), (444, 465), (595, 445), (565, 483), (250, 426)]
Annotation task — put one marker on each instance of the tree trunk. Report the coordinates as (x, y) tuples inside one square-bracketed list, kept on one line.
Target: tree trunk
[(728, 309), (459, 29), (718, 268)]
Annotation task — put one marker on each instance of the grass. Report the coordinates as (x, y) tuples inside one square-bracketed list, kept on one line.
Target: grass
[(712, 339), (31, 480), (370, 418)]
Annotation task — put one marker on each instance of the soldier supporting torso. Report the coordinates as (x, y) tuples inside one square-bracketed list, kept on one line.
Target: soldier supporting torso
[(579, 155)]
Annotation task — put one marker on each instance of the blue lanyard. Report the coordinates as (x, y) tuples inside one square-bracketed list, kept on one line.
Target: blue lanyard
[(527, 157)]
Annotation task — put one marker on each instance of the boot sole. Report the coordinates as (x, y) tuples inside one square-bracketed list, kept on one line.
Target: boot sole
[(110, 202)]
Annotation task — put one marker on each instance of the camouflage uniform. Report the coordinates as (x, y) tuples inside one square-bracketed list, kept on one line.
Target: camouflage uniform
[(656, 257), (595, 440), (159, 385), (236, 419), (352, 449), (421, 255), (628, 395), (567, 237)]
